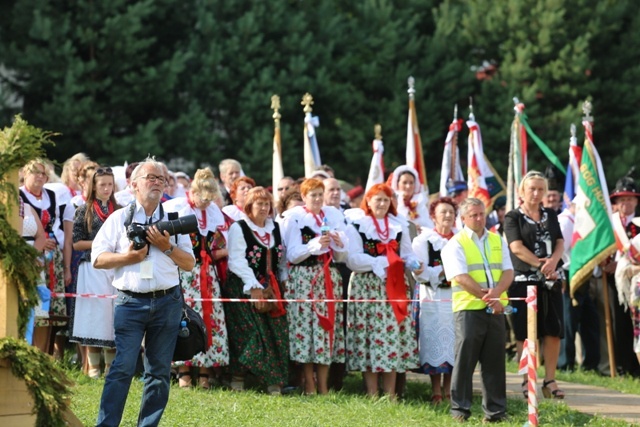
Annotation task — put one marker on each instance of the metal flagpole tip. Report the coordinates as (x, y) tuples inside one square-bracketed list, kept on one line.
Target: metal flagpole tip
[(586, 109), (411, 82), (275, 106), (377, 131)]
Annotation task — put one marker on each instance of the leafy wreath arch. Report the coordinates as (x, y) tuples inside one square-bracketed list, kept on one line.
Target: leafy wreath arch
[(45, 380)]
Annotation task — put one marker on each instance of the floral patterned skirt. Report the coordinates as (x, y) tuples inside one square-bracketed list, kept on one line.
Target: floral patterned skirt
[(308, 341), (375, 340), (58, 305), (218, 353), (258, 343)]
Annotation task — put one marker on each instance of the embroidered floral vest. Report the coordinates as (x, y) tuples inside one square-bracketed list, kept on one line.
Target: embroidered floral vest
[(256, 252)]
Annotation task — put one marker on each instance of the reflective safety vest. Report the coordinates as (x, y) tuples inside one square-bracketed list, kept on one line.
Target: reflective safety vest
[(463, 300)]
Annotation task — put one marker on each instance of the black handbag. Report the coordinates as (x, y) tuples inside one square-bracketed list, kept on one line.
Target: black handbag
[(192, 337)]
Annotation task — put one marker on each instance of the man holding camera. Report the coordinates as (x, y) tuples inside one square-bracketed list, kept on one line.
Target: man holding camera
[(149, 301)]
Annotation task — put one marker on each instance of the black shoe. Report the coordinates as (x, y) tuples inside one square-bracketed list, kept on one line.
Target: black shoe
[(497, 419)]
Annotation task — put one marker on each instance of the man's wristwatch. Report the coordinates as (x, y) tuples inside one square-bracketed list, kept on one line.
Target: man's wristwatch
[(168, 251)]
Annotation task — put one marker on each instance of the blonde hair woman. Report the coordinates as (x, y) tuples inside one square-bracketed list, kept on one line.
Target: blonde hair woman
[(536, 245)]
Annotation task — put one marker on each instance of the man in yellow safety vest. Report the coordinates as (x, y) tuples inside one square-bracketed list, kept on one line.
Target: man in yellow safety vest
[(478, 264)]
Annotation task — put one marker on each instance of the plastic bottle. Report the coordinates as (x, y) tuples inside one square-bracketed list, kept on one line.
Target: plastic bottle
[(325, 229), (48, 254), (508, 309), (413, 265), (184, 331)]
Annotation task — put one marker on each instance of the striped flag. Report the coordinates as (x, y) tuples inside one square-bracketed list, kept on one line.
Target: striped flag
[(277, 171), (451, 169), (478, 171), (593, 238), (311, 151), (414, 157), (376, 170), (573, 170), (517, 156)]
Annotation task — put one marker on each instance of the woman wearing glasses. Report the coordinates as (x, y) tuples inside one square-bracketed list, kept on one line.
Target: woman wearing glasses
[(315, 235), (57, 247), (208, 275), (536, 245), (93, 317)]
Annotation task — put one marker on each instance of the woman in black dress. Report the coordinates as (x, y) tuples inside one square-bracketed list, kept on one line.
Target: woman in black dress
[(536, 245)]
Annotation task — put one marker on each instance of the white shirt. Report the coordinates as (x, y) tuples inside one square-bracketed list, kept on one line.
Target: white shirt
[(361, 262), (124, 197), (112, 237), (238, 263), (455, 260), (233, 211), (566, 220), (422, 210), (45, 203), (295, 219), (420, 245)]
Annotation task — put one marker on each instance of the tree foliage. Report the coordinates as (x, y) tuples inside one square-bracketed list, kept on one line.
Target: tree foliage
[(121, 79)]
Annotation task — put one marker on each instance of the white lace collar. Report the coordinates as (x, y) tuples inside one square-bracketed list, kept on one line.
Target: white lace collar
[(269, 225)]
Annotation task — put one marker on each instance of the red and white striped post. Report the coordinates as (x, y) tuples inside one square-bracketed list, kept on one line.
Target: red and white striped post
[(532, 359)]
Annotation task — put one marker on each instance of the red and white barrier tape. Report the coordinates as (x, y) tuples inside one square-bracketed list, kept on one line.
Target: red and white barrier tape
[(338, 300)]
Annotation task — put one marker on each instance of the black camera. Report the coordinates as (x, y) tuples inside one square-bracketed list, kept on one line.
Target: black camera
[(137, 233)]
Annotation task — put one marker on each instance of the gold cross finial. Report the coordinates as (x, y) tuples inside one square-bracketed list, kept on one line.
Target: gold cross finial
[(377, 131), (307, 101), (275, 106)]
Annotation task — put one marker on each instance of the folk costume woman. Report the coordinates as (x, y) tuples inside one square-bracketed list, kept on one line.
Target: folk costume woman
[(238, 193), (207, 277), (436, 333), (380, 336), (58, 224), (92, 323), (316, 335), (258, 339), (412, 204)]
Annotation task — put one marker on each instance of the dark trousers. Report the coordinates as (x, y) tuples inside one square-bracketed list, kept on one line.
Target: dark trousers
[(581, 318), (480, 337)]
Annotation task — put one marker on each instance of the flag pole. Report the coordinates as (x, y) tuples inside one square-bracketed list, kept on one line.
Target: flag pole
[(309, 162), (454, 145), (588, 118), (277, 170), (376, 170)]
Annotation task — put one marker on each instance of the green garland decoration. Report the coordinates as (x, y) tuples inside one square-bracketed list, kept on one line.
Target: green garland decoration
[(19, 144), (45, 380)]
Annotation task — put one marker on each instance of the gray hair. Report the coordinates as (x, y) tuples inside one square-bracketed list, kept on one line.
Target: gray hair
[(469, 202), (226, 164), (151, 160)]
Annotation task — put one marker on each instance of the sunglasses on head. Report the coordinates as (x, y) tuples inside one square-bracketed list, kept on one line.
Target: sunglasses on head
[(104, 171)]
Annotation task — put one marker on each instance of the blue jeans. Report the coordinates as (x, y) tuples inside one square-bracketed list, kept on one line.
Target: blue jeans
[(157, 320)]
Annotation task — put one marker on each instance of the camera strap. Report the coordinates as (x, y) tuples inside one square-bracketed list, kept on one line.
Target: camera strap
[(128, 219)]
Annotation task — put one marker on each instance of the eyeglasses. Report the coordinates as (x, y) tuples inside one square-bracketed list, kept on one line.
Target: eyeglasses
[(38, 173), (104, 171), (154, 178), (283, 188)]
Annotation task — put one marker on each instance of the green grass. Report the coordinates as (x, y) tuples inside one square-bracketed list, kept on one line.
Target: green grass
[(219, 407)]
